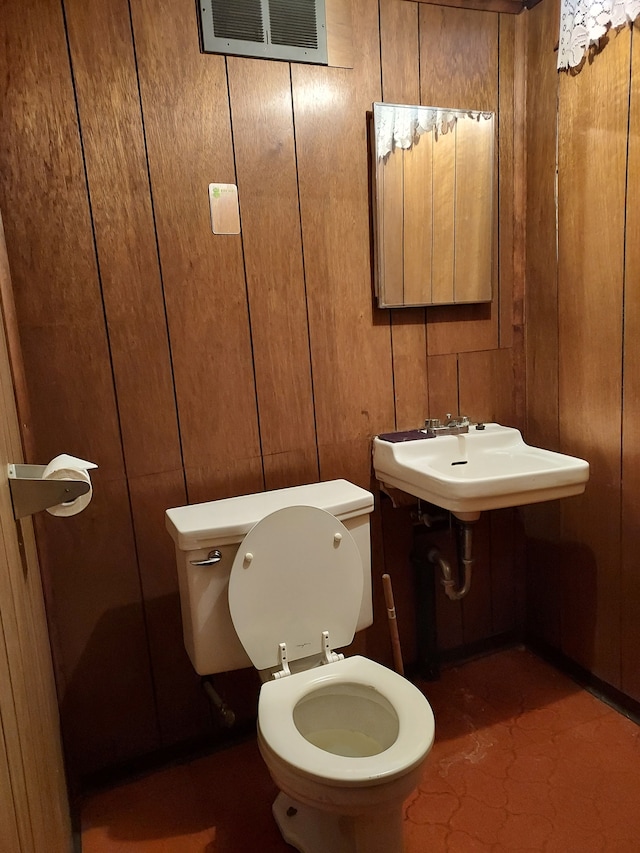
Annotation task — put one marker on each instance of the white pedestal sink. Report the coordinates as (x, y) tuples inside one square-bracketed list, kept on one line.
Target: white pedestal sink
[(487, 468)]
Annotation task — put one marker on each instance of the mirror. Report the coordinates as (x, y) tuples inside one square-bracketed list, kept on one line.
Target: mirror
[(433, 188)]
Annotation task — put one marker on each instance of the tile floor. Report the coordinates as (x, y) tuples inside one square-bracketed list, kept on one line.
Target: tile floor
[(524, 760)]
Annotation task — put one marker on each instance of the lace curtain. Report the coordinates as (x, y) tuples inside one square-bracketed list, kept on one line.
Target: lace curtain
[(584, 22), (401, 126)]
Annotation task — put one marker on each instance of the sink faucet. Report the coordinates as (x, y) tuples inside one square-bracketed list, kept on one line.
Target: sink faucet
[(451, 426)]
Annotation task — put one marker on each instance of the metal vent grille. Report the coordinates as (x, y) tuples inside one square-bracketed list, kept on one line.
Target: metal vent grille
[(293, 22), (293, 30), (239, 20)]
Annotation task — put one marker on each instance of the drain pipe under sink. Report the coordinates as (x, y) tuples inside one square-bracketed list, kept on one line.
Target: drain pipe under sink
[(465, 559)]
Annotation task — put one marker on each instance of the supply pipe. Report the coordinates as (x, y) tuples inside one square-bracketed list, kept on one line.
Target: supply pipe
[(224, 713)]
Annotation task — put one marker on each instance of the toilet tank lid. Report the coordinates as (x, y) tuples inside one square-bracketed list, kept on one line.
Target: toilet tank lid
[(227, 521)]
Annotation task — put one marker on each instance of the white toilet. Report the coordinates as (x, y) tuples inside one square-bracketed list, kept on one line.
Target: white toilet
[(279, 580)]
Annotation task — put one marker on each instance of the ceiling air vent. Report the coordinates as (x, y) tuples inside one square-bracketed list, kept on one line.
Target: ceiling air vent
[(294, 30)]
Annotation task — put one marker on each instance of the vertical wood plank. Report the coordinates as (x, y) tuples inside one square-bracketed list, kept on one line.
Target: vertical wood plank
[(339, 33), (104, 74), (630, 577), (592, 144), (510, 193), (459, 69), (443, 385), (410, 368), (444, 213), (474, 213), (418, 212), (261, 110), (507, 571), (485, 391), (9, 833), (15, 824), (541, 264), (512, 327), (399, 49), (183, 710), (391, 226), (32, 782), (345, 329), (542, 521), (544, 572), (187, 121), (397, 526)]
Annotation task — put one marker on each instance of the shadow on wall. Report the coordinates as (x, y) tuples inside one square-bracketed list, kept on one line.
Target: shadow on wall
[(562, 597), (111, 720)]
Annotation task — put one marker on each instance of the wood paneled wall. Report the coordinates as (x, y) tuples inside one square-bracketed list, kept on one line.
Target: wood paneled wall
[(34, 809), (583, 373), (191, 366)]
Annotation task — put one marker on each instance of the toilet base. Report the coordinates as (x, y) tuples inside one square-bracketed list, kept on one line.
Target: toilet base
[(310, 830)]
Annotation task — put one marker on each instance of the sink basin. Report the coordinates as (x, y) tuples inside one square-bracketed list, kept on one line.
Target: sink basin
[(483, 469)]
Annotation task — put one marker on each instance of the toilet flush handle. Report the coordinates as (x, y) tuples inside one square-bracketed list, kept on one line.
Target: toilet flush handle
[(212, 558)]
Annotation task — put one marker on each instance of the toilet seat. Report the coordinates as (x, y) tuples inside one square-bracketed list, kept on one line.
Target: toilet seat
[(278, 700), (298, 574)]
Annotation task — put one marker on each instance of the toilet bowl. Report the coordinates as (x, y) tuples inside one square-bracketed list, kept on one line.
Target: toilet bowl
[(344, 739), (345, 744)]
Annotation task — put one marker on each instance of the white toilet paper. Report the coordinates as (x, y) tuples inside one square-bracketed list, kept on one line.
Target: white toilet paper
[(65, 467)]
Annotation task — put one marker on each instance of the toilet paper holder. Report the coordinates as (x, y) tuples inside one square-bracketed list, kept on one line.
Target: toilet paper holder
[(30, 493)]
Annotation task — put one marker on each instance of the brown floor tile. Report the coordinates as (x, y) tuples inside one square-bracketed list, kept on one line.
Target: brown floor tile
[(529, 761), (523, 761)]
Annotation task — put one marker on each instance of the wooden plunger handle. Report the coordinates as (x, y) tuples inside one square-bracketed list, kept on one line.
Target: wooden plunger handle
[(393, 624)]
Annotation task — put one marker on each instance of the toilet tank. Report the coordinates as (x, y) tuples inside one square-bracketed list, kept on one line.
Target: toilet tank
[(209, 635)]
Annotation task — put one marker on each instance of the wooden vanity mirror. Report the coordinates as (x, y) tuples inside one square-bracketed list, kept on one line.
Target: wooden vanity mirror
[(433, 189)]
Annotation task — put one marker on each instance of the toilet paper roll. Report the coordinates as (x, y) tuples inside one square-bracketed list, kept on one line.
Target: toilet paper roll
[(65, 467)]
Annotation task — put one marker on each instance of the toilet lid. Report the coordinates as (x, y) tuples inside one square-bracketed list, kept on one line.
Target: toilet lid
[(297, 573)]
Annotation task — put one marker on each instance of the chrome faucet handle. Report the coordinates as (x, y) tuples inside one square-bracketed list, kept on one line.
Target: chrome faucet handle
[(432, 423), (456, 420)]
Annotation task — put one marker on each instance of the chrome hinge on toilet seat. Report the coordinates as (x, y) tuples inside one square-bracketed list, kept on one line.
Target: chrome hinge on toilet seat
[(328, 656)]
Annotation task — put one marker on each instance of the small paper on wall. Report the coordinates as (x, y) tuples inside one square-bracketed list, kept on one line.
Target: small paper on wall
[(223, 204)]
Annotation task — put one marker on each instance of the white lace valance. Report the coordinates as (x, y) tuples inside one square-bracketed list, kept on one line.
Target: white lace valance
[(584, 22), (399, 126)]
